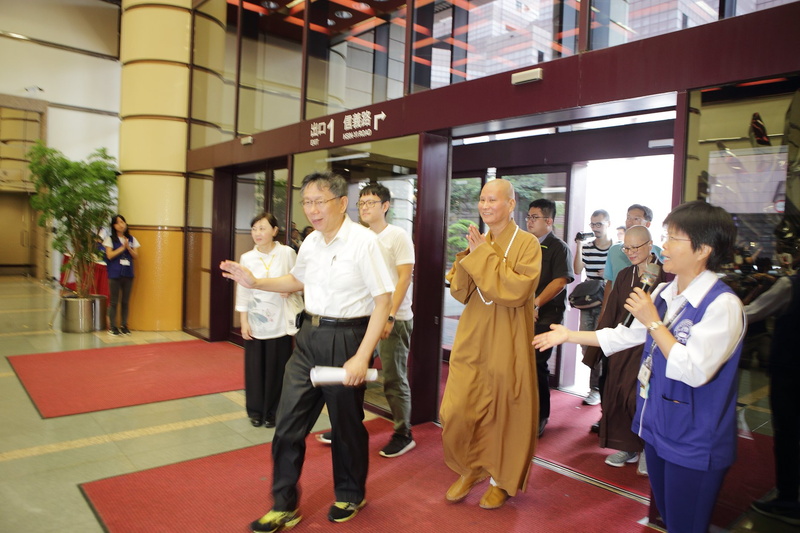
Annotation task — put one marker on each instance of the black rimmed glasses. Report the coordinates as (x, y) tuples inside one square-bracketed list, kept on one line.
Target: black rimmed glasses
[(596, 224), (634, 249), (367, 203), (534, 217)]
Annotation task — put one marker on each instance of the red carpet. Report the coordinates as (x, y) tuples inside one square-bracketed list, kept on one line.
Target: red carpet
[(568, 442), (224, 492), (82, 381)]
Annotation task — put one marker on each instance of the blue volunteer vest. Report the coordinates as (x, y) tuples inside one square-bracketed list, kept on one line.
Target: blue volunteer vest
[(694, 427)]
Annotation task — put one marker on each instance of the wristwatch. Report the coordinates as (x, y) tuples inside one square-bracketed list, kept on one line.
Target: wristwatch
[(655, 325), (390, 319)]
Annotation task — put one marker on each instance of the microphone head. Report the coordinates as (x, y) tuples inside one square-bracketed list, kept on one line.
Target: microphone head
[(650, 274)]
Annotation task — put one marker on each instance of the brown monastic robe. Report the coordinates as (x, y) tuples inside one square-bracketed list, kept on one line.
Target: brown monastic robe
[(621, 379), (489, 412)]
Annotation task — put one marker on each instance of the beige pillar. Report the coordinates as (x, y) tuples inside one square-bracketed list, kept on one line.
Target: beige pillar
[(154, 52)]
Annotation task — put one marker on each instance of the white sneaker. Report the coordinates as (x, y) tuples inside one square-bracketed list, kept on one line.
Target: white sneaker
[(593, 398), (641, 468), (619, 459)]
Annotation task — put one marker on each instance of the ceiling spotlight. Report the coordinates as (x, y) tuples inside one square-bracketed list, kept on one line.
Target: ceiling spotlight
[(342, 14), (331, 22), (270, 5), (360, 5)]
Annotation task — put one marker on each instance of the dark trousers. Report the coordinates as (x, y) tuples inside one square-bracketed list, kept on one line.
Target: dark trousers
[(685, 497), (264, 364), (542, 372), (117, 286), (786, 423), (300, 406)]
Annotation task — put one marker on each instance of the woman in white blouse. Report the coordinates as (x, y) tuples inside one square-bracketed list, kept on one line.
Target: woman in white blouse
[(264, 323)]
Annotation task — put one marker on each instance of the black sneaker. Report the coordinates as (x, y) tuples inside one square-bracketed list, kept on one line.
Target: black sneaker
[(344, 511), (398, 445), (114, 332), (124, 330), (276, 520), (785, 511), (324, 438)]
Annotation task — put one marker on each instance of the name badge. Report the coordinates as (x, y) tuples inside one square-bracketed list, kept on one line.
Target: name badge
[(644, 376), (125, 262)]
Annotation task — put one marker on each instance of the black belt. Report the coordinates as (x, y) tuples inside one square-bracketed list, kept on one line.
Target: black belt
[(317, 321)]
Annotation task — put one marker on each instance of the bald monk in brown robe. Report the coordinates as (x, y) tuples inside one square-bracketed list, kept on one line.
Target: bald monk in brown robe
[(490, 408)]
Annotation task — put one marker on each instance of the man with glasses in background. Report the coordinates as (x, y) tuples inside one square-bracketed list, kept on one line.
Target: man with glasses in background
[(592, 256), (348, 295), (551, 294)]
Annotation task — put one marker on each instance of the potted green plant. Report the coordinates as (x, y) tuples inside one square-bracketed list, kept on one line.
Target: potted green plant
[(75, 199)]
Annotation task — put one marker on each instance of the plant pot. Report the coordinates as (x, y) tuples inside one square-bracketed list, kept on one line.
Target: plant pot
[(77, 314), (99, 311)]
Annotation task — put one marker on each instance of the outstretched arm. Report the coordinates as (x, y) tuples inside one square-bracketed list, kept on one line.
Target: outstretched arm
[(559, 334), (243, 276)]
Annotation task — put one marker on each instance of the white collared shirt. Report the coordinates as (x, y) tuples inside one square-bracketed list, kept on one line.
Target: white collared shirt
[(711, 342), (341, 278)]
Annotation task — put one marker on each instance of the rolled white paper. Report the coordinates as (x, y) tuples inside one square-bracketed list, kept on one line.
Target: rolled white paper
[(334, 375)]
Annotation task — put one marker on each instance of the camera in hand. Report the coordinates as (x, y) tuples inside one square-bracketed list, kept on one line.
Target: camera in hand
[(581, 236)]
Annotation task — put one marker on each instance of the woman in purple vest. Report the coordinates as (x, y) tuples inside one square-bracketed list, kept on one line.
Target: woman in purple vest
[(692, 330)]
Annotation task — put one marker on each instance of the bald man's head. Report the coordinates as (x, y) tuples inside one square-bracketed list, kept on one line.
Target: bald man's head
[(640, 234), (500, 187)]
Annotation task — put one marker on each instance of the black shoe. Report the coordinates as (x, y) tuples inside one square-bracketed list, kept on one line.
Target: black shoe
[(256, 422), (324, 438), (542, 424), (344, 511), (124, 330), (276, 520), (398, 445), (595, 427), (114, 332), (269, 423), (783, 510)]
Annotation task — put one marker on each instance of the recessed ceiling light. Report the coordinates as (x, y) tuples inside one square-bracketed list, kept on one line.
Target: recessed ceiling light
[(331, 22), (360, 5), (270, 5), (342, 14)]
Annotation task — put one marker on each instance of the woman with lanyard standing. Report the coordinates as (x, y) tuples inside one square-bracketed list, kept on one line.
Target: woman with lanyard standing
[(692, 330), (264, 323), (121, 251)]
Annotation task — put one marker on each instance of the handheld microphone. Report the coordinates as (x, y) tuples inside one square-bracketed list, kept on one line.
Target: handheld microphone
[(648, 282)]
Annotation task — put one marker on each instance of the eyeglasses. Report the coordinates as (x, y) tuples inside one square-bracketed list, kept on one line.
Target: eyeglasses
[(673, 238), (633, 249), (534, 217), (317, 203), (634, 219), (597, 224), (367, 203)]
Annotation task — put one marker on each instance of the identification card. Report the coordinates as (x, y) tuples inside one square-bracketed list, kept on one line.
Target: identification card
[(644, 376), (125, 262)]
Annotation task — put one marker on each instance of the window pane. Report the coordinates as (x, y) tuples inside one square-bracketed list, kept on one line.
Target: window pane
[(457, 41), (355, 55), (213, 74), (271, 67), (198, 253), (621, 21)]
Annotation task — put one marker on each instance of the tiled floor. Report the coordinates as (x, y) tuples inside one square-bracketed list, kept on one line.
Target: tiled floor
[(43, 461)]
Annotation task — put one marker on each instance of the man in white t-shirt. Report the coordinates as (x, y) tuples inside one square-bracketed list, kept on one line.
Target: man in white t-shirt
[(373, 204)]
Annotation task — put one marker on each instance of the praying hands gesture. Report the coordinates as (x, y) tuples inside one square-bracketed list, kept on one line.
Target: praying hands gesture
[(474, 237)]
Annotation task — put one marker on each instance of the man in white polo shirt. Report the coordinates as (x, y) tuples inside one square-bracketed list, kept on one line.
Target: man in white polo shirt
[(348, 295)]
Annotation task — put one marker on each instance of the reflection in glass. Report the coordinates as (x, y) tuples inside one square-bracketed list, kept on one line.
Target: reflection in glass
[(461, 41), (355, 54), (196, 303), (213, 74), (622, 21), (271, 67)]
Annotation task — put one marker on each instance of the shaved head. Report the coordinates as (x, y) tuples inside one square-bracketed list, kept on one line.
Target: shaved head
[(638, 234), (500, 187)]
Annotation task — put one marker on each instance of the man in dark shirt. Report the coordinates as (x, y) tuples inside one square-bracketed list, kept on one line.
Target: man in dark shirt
[(551, 295)]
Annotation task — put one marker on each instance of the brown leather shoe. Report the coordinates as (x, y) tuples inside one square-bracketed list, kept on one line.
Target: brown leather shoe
[(493, 498), (460, 489)]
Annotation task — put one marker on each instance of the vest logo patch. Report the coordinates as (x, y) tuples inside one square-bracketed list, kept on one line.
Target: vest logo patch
[(683, 331)]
